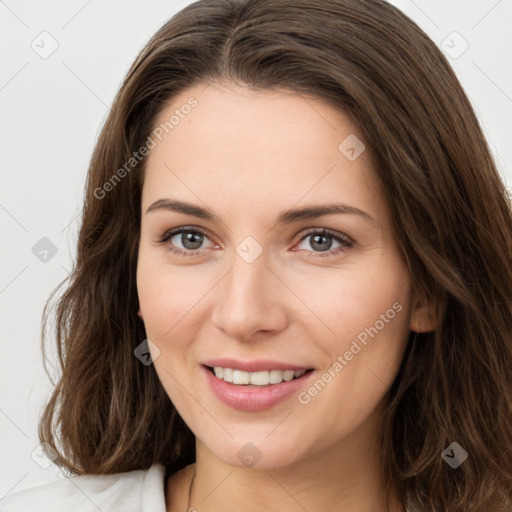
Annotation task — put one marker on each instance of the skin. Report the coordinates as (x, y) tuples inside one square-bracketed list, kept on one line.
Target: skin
[(247, 156)]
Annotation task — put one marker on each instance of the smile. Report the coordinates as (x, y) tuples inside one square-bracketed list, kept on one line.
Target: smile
[(254, 388), (262, 378)]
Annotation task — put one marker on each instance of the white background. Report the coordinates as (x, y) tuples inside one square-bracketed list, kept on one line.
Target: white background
[(52, 112)]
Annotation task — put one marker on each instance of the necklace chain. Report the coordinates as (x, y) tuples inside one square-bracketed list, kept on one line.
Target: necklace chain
[(189, 508)]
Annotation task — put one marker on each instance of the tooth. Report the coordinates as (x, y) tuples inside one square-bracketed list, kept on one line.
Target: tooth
[(275, 376), (259, 378), (228, 375), (240, 377), (288, 375), (263, 378)]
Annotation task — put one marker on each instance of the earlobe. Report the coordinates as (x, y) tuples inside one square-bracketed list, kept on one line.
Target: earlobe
[(425, 317), (139, 313)]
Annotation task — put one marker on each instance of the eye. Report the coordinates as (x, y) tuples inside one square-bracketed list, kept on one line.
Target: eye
[(184, 240), (322, 240)]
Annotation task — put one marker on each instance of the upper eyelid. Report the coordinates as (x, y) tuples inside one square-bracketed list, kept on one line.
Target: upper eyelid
[(169, 233)]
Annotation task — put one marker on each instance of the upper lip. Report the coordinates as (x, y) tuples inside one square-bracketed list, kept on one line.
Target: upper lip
[(257, 365)]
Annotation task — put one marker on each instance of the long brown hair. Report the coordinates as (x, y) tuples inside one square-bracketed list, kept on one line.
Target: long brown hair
[(451, 219)]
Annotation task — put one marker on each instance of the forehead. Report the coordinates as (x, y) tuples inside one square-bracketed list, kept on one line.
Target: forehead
[(226, 110), (274, 146)]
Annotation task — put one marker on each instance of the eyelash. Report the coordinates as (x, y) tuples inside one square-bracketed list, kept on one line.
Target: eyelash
[(344, 240)]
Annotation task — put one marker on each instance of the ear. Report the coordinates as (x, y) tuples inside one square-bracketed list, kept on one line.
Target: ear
[(426, 315), (140, 313)]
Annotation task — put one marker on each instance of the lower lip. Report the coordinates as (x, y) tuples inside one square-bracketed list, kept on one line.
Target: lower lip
[(257, 398)]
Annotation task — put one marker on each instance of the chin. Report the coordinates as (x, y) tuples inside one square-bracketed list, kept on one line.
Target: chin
[(258, 451)]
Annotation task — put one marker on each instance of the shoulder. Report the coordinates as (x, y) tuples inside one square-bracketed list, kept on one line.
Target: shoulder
[(137, 491)]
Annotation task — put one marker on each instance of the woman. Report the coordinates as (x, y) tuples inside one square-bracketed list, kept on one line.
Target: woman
[(293, 285)]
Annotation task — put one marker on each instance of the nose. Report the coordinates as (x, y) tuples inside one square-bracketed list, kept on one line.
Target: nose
[(248, 303)]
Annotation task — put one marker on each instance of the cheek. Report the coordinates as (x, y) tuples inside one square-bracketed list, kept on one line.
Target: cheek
[(167, 296), (369, 315), (345, 303), (167, 301)]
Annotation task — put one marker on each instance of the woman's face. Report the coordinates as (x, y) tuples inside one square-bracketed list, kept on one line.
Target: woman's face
[(252, 285)]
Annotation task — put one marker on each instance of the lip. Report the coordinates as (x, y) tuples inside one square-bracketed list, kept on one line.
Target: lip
[(254, 398), (258, 365)]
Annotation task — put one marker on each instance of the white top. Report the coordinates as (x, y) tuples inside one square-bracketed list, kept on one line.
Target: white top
[(133, 491)]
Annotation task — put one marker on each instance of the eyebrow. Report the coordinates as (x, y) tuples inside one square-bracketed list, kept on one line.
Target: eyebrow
[(286, 217)]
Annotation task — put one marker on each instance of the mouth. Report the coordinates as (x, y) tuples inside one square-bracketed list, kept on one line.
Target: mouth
[(255, 379), (254, 386)]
